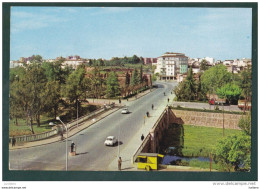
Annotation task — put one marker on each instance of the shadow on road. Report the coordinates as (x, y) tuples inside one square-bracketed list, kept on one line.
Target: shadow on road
[(127, 168), (118, 143), (81, 153)]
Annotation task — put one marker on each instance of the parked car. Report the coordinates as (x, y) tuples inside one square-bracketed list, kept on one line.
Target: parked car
[(110, 141), (241, 104), (214, 101), (125, 111)]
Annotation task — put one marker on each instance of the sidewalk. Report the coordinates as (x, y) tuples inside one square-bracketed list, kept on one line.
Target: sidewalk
[(72, 132), (128, 151), (81, 126), (116, 101)]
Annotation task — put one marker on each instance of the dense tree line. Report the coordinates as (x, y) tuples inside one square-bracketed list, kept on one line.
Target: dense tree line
[(215, 80), (116, 61), (43, 87)]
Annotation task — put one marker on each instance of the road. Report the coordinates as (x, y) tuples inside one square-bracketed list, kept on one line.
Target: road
[(198, 105), (91, 152)]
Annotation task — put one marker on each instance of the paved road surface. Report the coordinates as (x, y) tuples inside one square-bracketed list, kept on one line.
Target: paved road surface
[(91, 152)]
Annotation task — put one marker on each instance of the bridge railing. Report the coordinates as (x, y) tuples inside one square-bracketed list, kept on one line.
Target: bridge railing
[(147, 138)]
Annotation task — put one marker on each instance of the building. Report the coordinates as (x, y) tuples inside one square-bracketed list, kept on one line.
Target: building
[(170, 64), (150, 60)]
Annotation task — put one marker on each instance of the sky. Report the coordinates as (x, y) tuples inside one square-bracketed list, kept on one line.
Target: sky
[(106, 32)]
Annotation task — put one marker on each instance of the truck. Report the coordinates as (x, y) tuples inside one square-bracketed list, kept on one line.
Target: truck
[(241, 104), (215, 101)]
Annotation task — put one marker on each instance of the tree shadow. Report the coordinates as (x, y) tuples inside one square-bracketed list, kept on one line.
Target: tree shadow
[(172, 141)]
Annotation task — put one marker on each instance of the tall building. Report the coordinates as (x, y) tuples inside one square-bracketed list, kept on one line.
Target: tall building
[(170, 64)]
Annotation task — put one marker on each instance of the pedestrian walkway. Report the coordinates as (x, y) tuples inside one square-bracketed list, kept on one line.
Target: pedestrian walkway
[(81, 126), (129, 150)]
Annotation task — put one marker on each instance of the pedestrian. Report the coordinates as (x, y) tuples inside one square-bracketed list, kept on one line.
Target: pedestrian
[(61, 135), (147, 114), (142, 137), (119, 163), (152, 106), (72, 147), (164, 93), (13, 141), (168, 99), (119, 101)]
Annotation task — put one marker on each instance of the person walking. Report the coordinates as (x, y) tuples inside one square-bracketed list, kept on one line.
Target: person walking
[(142, 137), (152, 106), (119, 163), (72, 147), (13, 141), (147, 114), (168, 99), (61, 135)]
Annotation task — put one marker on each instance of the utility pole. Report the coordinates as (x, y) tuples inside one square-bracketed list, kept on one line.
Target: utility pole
[(223, 118)]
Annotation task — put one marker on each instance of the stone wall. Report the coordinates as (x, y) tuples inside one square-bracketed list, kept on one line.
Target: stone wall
[(208, 119)]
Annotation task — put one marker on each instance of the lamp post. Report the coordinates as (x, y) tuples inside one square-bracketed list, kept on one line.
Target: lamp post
[(118, 142), (58, 118)]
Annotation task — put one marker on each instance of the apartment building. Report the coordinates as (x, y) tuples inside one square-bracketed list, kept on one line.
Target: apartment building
[(170, 64)]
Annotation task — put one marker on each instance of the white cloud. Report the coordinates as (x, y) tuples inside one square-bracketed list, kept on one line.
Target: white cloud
[(21, 21)]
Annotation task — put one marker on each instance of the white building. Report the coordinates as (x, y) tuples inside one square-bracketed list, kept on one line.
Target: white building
[(170, 64), (14, 64)]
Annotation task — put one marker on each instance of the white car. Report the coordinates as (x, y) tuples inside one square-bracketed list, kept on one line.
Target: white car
[(125, 111), (110, 141)]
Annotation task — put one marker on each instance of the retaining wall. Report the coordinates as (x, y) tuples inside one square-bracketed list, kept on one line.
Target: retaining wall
[(208, 119)]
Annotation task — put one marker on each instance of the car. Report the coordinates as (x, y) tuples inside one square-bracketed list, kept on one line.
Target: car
[(125, 111), (110, 141)]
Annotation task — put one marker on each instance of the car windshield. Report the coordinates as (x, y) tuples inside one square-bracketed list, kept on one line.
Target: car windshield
[(109, 139), (125, 109)]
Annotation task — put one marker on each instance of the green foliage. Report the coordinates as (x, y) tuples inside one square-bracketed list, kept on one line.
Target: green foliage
[(245, 123), (134, 79), (246, 84), (203, 65), (234, 151), (231, 92), (96, 84), (200, 141), (112, 85), (214, 78), (127, 79), (75, 85), (186, 90)]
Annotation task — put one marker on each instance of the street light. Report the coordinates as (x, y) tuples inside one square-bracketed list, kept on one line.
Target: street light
[(118, 142), (58, 118)]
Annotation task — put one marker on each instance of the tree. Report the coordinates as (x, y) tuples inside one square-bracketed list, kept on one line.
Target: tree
[(234, 153), (246, 85), (190, 86), (231, 92), (141, 74), (134, 79), (203, 65), (127, 79), (16, 106), (75, 87), (33, 93), (245, 123), (53, 90), (214, 78), (112, 85), (96, 83)]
